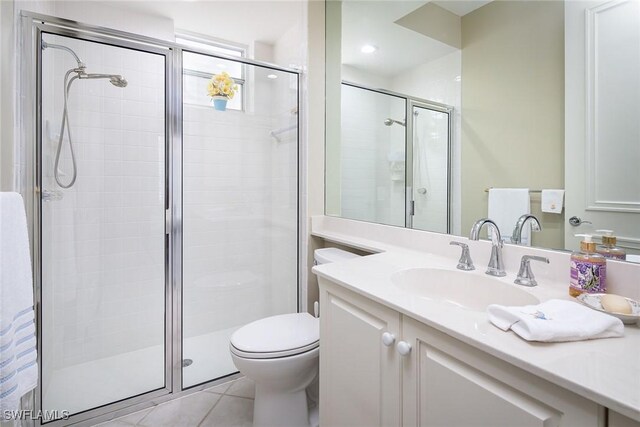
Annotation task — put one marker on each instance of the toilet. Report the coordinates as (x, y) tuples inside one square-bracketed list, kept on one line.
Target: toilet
[(280, 353)]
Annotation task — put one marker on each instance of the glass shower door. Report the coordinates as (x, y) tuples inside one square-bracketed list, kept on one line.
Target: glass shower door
[(103, 256), (431, 177), (240, 208)]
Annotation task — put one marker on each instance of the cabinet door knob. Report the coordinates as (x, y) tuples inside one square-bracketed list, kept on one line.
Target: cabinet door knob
[(388, 339), (403, 347)]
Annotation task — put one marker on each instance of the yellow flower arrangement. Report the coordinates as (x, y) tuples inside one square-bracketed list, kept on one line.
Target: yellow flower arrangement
[(222, 85)]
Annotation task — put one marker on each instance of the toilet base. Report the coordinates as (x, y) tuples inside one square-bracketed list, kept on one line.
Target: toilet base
[(277, 409)]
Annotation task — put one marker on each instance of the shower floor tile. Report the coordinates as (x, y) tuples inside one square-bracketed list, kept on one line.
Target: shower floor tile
[(210, 355), (91, 384), (88, 385)]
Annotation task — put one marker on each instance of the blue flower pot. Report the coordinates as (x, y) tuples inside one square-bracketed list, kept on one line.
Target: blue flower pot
[(219, 103)]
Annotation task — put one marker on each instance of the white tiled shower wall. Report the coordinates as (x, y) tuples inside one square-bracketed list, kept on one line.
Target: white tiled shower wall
[(103, 242), (240, 216), (370, 191)]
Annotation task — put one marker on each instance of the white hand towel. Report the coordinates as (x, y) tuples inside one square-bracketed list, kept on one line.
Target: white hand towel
[(551, 201), (555, 320), (506, 205), (18, 368)]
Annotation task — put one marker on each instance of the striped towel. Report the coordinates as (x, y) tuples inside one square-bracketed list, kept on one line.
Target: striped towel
[(18, 366)]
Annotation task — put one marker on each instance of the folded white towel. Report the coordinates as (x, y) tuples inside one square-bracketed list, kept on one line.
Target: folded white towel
[(506, 205), (18, 367), (551, 201), (555, 320)]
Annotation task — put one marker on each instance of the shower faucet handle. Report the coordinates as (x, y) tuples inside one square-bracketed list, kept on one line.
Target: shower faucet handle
[(465, 262)]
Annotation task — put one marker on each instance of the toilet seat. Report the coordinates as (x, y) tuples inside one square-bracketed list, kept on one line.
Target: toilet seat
[(274, 355), (277, 336)]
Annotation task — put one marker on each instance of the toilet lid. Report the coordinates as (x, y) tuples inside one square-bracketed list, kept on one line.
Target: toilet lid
[(287, 333)]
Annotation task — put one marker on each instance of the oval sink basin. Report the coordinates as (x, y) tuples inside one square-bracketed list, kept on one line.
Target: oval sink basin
[(463, 289)]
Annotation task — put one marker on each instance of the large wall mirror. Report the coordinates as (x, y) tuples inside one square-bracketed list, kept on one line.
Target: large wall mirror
[(443, 112)]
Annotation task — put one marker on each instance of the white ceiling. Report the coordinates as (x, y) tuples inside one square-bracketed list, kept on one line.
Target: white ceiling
[(461, 7), (239, 21), (399, 49)]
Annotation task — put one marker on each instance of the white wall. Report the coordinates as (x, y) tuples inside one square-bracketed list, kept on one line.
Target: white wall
[(7, 94), (313, 190)]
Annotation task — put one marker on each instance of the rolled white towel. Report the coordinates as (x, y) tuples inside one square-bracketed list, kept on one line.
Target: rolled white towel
[(18, 366), (554, 321)]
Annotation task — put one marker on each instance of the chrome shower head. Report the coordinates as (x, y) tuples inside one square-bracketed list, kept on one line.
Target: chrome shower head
[(115, 79), (118, 81)]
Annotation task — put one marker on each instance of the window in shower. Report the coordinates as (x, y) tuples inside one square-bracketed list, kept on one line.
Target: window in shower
[(102, 235), (199, 69), (240, 202)]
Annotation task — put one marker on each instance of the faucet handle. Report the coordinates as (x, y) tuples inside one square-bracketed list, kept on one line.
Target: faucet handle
[(465, 262), (525, 274)]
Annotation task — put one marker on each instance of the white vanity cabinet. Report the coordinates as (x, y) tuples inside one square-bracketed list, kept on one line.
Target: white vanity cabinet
[(360, 377), (449, 383), (439, 381), (619, 420)]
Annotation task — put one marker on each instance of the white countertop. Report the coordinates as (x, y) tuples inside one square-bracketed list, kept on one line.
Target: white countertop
[(606, 371)]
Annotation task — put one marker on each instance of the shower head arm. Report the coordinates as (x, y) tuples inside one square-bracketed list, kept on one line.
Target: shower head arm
[(81, 64), (115, 79), (98, 76)]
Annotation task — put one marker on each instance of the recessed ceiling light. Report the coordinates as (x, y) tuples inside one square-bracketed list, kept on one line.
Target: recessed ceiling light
[(368, 48), (272, 76)]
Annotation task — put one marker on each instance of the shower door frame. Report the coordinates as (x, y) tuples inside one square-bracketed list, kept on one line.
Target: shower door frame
[(412, 103), (55, 27), (32, 25)]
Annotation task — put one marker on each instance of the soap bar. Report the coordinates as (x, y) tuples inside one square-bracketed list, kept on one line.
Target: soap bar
[(615, 304)]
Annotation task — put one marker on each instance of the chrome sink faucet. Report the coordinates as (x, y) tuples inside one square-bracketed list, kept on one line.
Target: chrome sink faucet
[(496, 265), (465, 262), (525, 275), (516, 237)]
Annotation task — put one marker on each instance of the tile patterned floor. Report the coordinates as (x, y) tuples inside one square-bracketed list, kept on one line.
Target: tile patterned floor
[(226, 405)]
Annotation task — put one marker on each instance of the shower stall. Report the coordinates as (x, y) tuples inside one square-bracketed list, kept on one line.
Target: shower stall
[(159, 224), (395, 159)]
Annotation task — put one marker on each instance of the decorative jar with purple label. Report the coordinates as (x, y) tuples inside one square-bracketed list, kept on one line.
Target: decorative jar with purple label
[(588, 269)]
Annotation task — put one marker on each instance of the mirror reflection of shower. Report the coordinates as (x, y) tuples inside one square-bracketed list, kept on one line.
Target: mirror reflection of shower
[(70, 76), (389, 122)]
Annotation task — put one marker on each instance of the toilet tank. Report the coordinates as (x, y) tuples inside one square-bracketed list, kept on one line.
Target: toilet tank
[(329, 255)]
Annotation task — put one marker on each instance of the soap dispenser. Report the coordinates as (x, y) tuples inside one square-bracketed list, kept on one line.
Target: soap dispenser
[(588, 269), (608, 248)]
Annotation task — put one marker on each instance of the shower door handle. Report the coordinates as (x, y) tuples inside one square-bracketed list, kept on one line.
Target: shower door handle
[(167, 221), (51, 195)]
